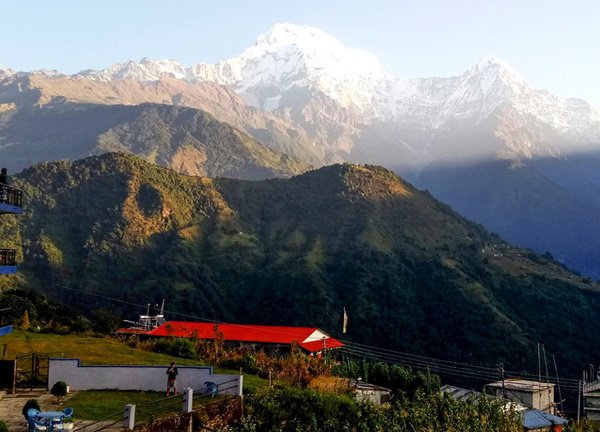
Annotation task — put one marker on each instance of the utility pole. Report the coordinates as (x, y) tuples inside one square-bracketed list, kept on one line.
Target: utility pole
[(579, 400), (539, 378), (501, 372), (558, 383), (548, 391)]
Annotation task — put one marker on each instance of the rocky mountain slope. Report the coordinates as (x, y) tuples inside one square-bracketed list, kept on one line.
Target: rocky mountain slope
[(412, 274), (24, 93)]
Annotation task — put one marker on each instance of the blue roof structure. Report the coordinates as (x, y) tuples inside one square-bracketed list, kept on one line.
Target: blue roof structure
[(6, 330), (535, 419)]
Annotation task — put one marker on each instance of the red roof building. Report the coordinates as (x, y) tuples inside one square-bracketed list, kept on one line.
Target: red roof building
[(309, 338)]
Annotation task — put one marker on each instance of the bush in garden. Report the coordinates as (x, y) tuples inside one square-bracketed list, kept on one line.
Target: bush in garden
[(59, 389)]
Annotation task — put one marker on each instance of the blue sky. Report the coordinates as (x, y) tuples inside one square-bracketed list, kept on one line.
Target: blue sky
[(552, 44)]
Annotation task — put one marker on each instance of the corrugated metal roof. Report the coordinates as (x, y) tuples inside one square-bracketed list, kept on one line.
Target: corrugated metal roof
[(459, 393), (534, 419), (310, 338)]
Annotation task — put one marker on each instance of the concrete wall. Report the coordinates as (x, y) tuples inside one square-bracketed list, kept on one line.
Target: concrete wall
[(592, 405), (149, 378)]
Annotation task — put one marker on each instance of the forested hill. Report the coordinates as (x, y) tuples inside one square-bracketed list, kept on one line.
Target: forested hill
[(412, 274)]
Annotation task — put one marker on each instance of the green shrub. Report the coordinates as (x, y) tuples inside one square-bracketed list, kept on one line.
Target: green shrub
[(105, 321), (59, 389), (310, 411), (176, 347), (3, 427), (31, 403), (246, 363)]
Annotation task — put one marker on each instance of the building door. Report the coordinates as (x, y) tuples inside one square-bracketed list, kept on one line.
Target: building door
[(7, 375)]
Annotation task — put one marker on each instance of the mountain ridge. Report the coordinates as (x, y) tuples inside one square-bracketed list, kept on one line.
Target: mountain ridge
[(320, 112), (322, 62), (410, 271), (289, 59)]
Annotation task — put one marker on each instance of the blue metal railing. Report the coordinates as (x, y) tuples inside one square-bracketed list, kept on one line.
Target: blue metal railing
[(11, 196)]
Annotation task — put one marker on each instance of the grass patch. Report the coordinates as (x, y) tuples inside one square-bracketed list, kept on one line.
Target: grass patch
[(89, 349), (101, 350), (100, 404)]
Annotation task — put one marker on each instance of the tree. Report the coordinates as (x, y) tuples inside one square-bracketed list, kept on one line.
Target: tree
[(31, 403), (16, 307), (105, 321), (25, 321)]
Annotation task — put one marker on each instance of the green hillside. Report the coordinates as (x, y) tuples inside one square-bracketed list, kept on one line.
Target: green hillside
[(412, 274)]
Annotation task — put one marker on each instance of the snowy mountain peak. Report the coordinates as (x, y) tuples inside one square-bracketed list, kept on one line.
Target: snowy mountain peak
[(493, 62), (285, 33), (295, 56), (492, 67), (5, 72), (319, 50), (146, 70)]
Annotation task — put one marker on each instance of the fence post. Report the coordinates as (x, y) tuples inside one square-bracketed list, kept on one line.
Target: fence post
[(129, 417), (188, 400), (241, 386)]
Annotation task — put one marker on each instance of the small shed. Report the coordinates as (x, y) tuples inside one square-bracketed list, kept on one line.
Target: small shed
[(539, 421), (534, 394), (364, 391)]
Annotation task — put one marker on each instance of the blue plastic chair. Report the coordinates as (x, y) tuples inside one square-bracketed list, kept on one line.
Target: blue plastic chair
[(35, 425), (68, 411), (211, 388), (33, 422), (32, 413)]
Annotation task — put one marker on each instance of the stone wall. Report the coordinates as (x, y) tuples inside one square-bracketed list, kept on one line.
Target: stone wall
[(174, 423), (216, 416)]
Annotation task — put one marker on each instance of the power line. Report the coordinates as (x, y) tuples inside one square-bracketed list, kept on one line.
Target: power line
[(465, 370), (450, 363)]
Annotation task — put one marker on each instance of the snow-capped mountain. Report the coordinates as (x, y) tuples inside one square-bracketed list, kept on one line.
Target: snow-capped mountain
[(145, 70), (5, 72), (518, 159), (289, 59), (291, 56)]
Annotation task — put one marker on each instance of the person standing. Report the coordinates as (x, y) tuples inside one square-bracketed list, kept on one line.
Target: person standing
[(3, 183), (172, 379), (4, 176)]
